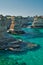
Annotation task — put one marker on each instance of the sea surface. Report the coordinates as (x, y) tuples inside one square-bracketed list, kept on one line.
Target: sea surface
[(34, 57)]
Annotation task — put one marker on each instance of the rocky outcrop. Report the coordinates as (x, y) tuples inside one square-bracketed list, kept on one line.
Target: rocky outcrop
[(17, 45), (38, 22), (16, 32)]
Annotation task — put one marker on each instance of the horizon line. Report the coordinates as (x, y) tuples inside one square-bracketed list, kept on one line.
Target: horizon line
[(20, 15)]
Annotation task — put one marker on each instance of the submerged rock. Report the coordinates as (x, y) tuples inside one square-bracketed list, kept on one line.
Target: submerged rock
[(19, 49), (17, 45), (20, 32), (16, 32), (32, 46)]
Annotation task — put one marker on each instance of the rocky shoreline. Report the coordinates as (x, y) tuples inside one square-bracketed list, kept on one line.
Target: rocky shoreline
[(16, 32), (12, 44)]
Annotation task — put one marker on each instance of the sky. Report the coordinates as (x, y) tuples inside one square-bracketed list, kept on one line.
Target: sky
[(21, 7)]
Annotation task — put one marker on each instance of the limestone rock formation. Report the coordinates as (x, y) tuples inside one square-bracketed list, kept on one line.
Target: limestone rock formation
[(17, 45)]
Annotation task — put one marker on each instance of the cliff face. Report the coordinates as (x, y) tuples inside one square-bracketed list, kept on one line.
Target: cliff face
[(38, 21), (16, 23), (4, 23), (13, 22), (12, 25)]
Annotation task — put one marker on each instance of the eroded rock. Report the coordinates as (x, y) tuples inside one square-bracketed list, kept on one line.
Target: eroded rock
[(17, 45)]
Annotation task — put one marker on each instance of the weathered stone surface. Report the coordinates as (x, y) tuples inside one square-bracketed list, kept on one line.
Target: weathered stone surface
[(16, 32), (18, 46)]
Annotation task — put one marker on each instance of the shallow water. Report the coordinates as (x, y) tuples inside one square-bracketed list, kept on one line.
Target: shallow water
[(27, 58)]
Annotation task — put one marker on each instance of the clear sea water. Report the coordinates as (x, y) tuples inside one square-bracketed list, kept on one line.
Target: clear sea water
[(30, 57)]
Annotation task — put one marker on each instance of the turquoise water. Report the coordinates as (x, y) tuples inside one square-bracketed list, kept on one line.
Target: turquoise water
[(29, 57)]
